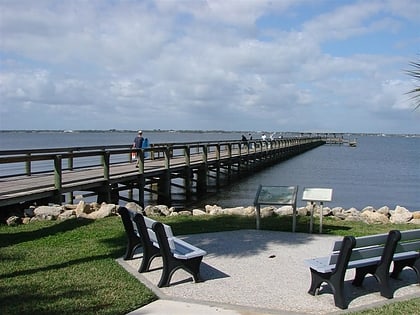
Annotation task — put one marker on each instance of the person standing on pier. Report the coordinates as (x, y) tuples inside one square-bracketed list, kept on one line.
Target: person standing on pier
[(138, 144)]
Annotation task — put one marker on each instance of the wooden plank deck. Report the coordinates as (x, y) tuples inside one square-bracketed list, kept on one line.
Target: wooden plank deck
[(22, 188)]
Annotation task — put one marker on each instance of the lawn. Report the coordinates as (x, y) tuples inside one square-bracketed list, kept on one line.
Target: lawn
[(69, 267)]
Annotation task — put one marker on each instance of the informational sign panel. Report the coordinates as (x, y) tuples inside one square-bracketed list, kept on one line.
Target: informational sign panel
[(315, 195), (276, 195)]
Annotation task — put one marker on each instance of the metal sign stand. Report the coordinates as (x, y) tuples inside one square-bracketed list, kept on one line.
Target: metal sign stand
[(315, 195)]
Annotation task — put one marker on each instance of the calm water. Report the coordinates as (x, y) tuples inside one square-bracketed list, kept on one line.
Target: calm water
[(379, 171)]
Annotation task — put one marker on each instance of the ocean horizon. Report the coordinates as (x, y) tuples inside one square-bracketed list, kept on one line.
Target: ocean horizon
[(383, 170)]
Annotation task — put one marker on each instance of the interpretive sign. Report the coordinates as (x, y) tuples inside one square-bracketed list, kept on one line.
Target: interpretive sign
[(276, 195), (315, 195)]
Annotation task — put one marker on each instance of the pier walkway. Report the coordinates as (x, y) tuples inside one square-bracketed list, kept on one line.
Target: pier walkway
[(166, 171)]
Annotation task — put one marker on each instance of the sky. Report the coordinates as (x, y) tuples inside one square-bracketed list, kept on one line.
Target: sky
[(234, 65)]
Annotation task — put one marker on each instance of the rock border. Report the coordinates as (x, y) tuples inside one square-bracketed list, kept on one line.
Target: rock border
[(93, 211)]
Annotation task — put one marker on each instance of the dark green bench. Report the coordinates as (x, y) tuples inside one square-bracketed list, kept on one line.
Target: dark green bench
[(157, 240), (368, 255)]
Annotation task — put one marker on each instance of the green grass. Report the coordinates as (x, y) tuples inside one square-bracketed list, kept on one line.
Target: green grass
[(69, 267)]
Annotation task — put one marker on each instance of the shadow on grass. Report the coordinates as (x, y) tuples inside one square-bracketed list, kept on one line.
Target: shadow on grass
[(54, 267), (12, 237), (34, 299)]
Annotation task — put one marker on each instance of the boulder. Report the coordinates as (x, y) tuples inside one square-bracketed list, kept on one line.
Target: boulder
[(284, 210), (416, 215), (134, 207), (198, 212), (266, 212), (400, 215), (13, 220), (248, 211), (213, 210), (302, 211), (384, 210), (184, 212), (82, 207), (372, 217), (414, 221), (157, 210), (67, 214), (48, 212), (105, 211)]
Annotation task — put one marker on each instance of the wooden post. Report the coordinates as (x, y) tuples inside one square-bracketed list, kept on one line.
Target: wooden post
[(187, 173), (28, 164), (58, 178), (164, 188), (70, 160)]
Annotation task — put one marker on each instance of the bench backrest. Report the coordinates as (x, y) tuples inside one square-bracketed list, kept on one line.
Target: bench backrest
[(410, 241), (366, 247), (152, 235), (127, 217)]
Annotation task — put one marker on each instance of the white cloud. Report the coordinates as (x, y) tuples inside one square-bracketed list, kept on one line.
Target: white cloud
[(203, 64)]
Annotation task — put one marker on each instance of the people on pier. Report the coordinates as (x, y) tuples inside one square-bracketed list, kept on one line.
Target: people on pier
[(244, 141), (138, 144)]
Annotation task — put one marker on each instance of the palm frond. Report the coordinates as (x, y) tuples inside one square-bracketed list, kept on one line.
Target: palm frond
[(414, 72)]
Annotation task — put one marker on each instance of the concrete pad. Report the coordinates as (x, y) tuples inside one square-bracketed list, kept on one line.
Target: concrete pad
[(260, 272)]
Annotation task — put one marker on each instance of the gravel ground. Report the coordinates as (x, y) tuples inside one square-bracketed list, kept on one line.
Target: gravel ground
[(263, 272)]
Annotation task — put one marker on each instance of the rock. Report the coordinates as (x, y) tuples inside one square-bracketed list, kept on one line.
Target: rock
[(26, 220), (368, 208), (384, 210), (13, 220), (302, 211), (213, 210), (184, 212), (69, 207), (48, 212), (337, 211), (371, 217), (67, 214), (134, 207), (414, 221), (198, 212), (285, 210), (266, 212), (400, 215), (157, 210), (105, 211), (248, 211), (416, 215), (82, 207)]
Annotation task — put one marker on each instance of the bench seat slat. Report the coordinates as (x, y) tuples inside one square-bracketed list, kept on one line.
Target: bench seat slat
[(184, 250)]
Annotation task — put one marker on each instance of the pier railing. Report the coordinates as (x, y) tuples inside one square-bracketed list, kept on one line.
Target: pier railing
[(62, 170)]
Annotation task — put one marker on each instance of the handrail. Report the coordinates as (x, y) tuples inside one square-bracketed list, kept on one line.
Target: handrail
[(118, 154)]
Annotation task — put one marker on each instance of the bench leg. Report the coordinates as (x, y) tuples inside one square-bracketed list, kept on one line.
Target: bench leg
[(172, 264), (149, 253), (132, 244), (381, 273), (316, 280), (401, 264), (334, 280)]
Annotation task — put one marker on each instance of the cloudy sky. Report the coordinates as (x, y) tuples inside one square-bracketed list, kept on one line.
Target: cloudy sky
[(278, 65)]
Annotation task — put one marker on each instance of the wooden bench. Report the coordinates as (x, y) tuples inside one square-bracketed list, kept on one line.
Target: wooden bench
[(157, 239), (407, 253), (368, 254)]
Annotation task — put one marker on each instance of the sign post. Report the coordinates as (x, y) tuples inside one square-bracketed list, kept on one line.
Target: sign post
[(315, 195)]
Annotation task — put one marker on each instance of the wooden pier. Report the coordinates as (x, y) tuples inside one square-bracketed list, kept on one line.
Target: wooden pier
[(186, 171)]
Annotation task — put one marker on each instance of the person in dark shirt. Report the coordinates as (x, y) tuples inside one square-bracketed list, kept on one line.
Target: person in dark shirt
[(138, 143)]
